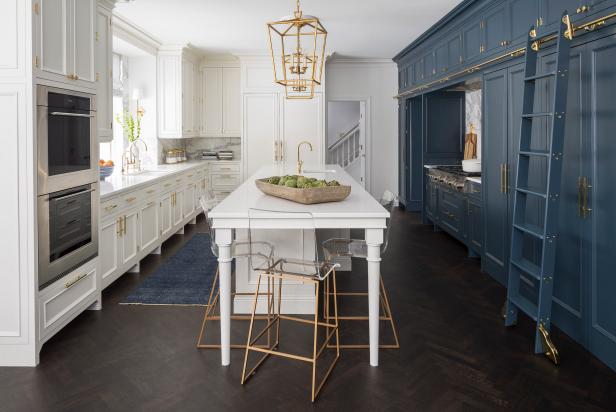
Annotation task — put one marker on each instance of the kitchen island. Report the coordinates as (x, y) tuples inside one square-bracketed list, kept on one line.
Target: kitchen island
[(358, 211)]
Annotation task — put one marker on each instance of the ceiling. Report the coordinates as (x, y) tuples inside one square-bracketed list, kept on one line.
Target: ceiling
[(357, 29)]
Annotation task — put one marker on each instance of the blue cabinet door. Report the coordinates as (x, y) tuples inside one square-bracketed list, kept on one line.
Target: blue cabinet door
[(441, 56), (474, 225), (602, 199), (522, 15), (494, 156), (454, 51), (471, 41), (552, 10), (418, 71), (403, 136), (495, 29), (429, 65)]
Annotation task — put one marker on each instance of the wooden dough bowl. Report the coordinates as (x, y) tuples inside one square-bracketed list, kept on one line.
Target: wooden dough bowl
[(305, 196)]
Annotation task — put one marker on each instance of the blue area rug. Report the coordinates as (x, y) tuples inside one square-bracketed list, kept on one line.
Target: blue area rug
[(184, 279)]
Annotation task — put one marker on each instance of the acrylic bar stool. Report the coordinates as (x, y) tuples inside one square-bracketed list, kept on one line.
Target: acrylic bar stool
[(358, 248), (261, 251), (310, 272)]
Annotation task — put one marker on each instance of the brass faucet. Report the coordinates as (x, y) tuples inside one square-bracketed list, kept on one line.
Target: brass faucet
[(299, 161)]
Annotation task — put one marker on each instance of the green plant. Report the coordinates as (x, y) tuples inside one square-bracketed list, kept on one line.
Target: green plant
[(130, 124)]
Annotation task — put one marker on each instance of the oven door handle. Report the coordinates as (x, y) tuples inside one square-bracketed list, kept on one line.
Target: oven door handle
[(74, 194), (70, 114)]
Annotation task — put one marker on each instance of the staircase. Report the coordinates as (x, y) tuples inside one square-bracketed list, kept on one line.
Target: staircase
[(346, 151)]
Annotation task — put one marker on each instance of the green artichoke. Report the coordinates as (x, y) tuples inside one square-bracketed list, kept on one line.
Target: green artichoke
[(291, 182)]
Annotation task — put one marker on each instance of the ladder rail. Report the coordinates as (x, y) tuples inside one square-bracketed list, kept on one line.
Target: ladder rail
[(548, 235)]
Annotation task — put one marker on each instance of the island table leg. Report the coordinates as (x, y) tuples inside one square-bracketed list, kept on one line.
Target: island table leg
[(374, 239), (224, 240)]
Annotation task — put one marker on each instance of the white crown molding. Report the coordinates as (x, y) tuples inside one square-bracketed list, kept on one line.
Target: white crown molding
[(133, 34), (350, 60)]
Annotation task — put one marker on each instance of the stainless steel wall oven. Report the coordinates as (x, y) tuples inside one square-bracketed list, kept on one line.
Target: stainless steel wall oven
[(68, 197)]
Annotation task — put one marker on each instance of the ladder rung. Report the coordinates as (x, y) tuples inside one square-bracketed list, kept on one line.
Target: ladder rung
[(542, 114), (531, 229), (525, 305), (539, 76), (531, 192), (543, 153), (527, 267)]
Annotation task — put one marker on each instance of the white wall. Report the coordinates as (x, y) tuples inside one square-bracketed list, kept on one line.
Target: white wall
[(375, 81), (341, 116)]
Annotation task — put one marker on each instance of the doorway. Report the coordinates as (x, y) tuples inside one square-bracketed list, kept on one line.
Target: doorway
[(346, 137)]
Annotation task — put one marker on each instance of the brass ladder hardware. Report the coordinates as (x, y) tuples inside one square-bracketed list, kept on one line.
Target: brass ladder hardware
[(550, 350)]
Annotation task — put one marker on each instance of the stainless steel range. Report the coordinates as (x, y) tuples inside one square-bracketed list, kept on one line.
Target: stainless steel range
[(452, 176)]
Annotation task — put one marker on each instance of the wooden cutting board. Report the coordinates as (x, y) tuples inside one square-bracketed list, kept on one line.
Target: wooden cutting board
[(470, 145)]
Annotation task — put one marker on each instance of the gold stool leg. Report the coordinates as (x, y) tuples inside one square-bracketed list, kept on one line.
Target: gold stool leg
[(252, 319), (387, 316), (208, 308)]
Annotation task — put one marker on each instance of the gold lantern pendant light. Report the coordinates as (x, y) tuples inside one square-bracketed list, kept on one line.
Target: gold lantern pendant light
[(297, 45)]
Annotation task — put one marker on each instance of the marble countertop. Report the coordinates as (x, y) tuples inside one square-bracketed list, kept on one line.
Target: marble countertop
[(359, 205), (118, 183)]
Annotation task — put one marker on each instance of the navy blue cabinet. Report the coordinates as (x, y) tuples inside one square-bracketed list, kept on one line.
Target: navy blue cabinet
[(552, 10), (494, 159), (403, 152), (495, 29), (451, 212), (441, 56), (521, 15), (454, 50), (474, 234), (471, 40), (429, 66), (601, 221)]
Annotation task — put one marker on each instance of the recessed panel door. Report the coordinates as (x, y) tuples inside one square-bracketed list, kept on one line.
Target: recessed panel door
[(129, 239), (494, 157)]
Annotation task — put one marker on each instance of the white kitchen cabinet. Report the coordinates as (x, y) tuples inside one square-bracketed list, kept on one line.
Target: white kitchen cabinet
[(302, 120), (166, 215), (104, 89), (188, 196), (221, 108), (65, 41), (177, 208), (176, 93), (63, 300), (109, 252), (189, 104), (129, 238), (260, 130), (149, 227)]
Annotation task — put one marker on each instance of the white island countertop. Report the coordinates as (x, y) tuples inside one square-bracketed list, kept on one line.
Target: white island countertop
[(359, 203), (117, 183)]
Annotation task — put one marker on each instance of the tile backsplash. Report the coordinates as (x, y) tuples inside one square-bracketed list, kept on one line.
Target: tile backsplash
[(194, 146)]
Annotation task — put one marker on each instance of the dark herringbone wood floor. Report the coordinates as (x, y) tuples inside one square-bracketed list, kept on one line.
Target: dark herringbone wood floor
[(455, 355)]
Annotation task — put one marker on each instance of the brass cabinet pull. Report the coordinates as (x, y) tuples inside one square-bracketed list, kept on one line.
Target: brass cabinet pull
[(167, 184), (119, 227), (583, 9), (580, 212), (585, 186), (73, 282), (124, 224), (150, 191), (131, 199), (110, 207), (191, 175)]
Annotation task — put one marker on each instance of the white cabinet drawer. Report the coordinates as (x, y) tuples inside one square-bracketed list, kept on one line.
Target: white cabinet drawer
[(225, 180), (111, 206), (66, 298), (225, 167)]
